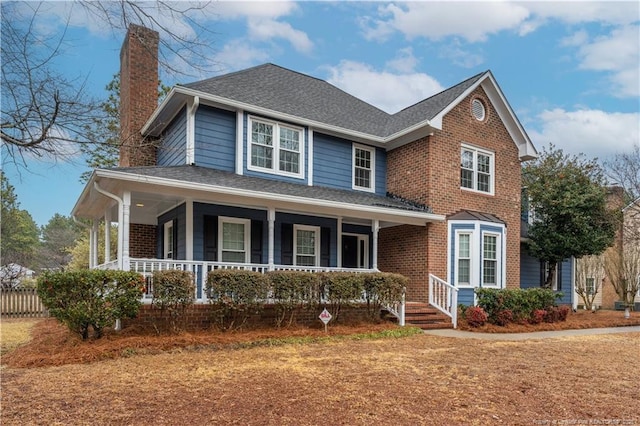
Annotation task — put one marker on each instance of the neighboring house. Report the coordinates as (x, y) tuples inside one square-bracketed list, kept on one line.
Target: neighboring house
[(267, 168), (12, 275)]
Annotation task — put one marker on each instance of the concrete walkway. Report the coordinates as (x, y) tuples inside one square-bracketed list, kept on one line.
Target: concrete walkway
[(533, 335)]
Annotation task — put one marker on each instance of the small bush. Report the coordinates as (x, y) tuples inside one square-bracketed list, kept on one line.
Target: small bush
[(521, 302), (476, 316), (504, 317), (341, 288), (537, 316), (292, 291), (556, 313), (382, 289), (173, 292), (91, 299), (235, 295)]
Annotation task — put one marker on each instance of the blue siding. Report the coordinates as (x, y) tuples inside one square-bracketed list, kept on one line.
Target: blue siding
[(332, 161), (173, 151), (215, 138), (179, 214), (333, 164), (466, 296), (200, 210), (274, 175), (298, 219), (530, 273)]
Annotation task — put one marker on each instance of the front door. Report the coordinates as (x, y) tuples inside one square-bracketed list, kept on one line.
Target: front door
[(355, 251)]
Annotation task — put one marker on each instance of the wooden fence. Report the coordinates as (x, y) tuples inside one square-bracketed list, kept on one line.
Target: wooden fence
[(21, 303)]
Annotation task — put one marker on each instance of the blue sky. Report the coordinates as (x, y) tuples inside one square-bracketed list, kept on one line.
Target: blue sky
[(570, 70)]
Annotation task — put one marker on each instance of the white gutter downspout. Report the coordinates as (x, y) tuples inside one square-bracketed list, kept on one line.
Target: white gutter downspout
[(123, 225)]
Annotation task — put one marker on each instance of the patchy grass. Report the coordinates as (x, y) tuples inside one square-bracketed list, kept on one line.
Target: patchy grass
[(14, 332), (303, 377)]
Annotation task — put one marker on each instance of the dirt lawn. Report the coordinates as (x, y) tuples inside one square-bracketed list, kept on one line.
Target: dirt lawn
[(310, 380)]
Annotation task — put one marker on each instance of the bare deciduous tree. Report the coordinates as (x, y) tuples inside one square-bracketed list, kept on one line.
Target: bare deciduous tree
[(589, 276), (624, 170), (44, 112), (622, 267)]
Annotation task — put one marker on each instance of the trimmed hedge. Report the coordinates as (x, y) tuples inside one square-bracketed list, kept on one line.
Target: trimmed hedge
[(292, 291), (91, 299), (173, 292)]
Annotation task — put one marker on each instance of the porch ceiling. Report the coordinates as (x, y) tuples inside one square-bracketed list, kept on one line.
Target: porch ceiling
[(158, 189)]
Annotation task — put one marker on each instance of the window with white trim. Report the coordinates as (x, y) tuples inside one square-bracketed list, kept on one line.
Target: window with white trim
[(463, 259), (590, 286), (490, 260), (168, 240), (364, 159), (476, 169), (306, 245), (234, 239), (276, 148)]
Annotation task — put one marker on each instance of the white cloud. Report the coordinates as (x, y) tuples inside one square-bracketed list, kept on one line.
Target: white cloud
[(573, 12), (576, 39), (404, 62), (461, 57), (268, 29), (392, 93), (618, 53), (594, 133), (239, 54), (438, 20)]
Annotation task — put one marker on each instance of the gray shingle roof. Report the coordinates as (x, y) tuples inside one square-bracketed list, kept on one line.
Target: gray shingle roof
[(290, 92), (207, 176)]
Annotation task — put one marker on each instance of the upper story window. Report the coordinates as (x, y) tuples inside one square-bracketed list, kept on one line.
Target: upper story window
[(276, 148), (476, 169), (364, 159)]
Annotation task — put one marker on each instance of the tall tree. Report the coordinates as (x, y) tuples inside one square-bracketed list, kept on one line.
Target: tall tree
[(43, 110), (568, 199), (624, 170), (80, 251), (58, 237), (18, 231), (104, 130)]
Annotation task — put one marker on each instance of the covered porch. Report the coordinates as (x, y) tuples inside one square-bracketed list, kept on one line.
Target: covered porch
[(199, 219)]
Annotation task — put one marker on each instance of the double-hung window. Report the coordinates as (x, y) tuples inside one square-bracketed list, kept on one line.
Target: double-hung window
[(464, 259), (489, 260), (306, 245), (276, 148), (364, 159), (234, 239), (477, 169)]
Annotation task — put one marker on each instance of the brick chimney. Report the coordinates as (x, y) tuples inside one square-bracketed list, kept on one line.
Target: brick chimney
[(138, 95)]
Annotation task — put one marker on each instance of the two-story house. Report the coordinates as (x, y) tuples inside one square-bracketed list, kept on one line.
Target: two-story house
[(267, 168)]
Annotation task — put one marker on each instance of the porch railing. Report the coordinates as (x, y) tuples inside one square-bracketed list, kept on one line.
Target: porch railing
[(444, 297)]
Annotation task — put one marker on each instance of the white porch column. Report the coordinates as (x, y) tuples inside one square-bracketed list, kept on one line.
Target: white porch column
[(126, 213), (189, 224), (91, 237), (271, 218), (375, 227), (339, 245), (94, 244), (107, 236)]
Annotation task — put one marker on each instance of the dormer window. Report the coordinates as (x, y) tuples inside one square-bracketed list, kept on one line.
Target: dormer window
[(275, 148)]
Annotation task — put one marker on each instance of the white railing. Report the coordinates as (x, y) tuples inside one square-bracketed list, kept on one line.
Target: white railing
[(398, 309), (444, 297), (200, 270), (109, 265)]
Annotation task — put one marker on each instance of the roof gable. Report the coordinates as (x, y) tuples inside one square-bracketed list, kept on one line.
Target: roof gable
[(273, 90)]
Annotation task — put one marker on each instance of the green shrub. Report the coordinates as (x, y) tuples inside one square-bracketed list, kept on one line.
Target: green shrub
[(235, 295), (520, 302), (382, 289), (173, 292), (341, 289), (91, 299), (292, 291)]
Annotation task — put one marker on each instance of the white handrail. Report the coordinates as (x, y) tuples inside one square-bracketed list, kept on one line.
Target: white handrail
[(444, 297)]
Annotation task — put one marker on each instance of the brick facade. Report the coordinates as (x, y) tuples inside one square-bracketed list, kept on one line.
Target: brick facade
[(142, 241), (428, 171), (138, 95)]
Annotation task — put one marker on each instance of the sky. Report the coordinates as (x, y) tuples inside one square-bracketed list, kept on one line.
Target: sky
[(570, 70)]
